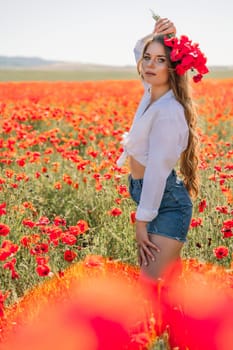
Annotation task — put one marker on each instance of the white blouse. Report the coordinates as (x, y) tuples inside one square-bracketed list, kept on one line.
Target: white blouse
[(158, 136)]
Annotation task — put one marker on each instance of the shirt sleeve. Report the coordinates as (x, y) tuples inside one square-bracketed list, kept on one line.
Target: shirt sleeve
[(164, 151), (138, 49)]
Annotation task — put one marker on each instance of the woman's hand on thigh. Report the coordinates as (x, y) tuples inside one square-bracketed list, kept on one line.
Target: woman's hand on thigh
[(144, 244)]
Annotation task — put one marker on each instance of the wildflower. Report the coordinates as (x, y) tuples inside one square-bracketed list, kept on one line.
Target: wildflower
[(28, 222), (43, 270), (222, 209), (68, 238), (187, 55), (115, 212), (59, 221), (83, 225), (133, 217), (41, 248), (4, 229), (42, 260), (3, 297), (196, 222), (221, 252), (43, 221), (21, 162), (202, 206), (11, 266), (69, 255), (25, 241), (2, 209), (227, 232), (57, 186)]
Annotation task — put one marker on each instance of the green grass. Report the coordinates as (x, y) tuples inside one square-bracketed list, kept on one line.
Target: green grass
[(36, 75), (82, 75)]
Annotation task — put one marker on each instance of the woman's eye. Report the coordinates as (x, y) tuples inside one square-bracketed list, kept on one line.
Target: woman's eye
[(146, 58), (161, 60)]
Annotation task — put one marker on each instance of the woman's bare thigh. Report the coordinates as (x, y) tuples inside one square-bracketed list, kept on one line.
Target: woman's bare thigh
[(169, 253)]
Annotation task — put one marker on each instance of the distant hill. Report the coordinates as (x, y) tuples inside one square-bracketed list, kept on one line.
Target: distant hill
[(24, 62), (19, 62)]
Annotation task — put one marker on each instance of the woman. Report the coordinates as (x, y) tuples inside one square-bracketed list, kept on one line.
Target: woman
[(163, 132)]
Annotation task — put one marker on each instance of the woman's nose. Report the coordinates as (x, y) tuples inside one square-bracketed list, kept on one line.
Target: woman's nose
[(151, 63)]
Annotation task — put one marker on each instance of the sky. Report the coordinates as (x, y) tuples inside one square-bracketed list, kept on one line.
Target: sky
[(105, 31)]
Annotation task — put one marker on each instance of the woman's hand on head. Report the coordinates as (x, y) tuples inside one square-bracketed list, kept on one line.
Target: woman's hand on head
[(164, 26), (145, 246)]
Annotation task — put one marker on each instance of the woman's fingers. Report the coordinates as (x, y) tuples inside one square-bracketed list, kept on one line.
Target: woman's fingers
[(153, 246), (164, 26), (143, 256), (144, 252)]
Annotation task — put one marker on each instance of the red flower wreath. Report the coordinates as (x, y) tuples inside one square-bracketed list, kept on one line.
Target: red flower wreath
[(188, 55)]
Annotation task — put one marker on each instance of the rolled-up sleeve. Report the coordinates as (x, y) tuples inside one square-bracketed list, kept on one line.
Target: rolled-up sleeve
[(164, 151), (138, 49)]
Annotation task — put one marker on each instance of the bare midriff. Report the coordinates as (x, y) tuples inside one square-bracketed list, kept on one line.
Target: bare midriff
[(136, 169)]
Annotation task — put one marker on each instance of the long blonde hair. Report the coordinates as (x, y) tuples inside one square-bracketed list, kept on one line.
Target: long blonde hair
[(182, 92)]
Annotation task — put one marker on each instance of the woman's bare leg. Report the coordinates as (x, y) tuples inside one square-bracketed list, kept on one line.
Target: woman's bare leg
[(169, 253)]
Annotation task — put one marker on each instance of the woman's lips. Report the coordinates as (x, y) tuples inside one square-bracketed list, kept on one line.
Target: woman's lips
[(150, 73)]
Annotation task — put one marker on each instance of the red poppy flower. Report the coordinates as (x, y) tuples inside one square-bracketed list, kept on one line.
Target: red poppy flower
[(43, 270), (133, 217), (25, 241), (202, 206), (68, 238), (28, 222), (42, 260), (10, 247), (41, 248), (223, 209), (197, 78), (4, 229), (43, 221), (115, 212), (4, 254), (221, 252), (21, 162), (83, 226), (3, 297), (69, 255), (10, 264), (187, 55), (59, 221), (2, 209), (196, 222), (227, 232)]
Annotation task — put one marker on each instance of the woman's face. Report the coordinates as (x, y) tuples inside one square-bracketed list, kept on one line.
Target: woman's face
[(154, 65)]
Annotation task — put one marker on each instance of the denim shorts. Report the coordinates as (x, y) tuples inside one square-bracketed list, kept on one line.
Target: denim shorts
[(175, 211)]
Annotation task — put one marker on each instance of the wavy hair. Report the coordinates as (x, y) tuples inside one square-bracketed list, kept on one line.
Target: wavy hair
[(181, 88)]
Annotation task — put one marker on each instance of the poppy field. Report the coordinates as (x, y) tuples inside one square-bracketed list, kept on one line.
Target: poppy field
[(66, 217)]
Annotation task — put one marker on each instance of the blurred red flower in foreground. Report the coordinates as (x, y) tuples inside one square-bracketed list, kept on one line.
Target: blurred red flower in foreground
[(99, 304), (99, 315)]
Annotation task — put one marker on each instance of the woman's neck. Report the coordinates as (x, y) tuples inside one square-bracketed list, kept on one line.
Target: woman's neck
[(158, 92)]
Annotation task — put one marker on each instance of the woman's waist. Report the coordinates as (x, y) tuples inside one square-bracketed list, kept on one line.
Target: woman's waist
[(137, 169)]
